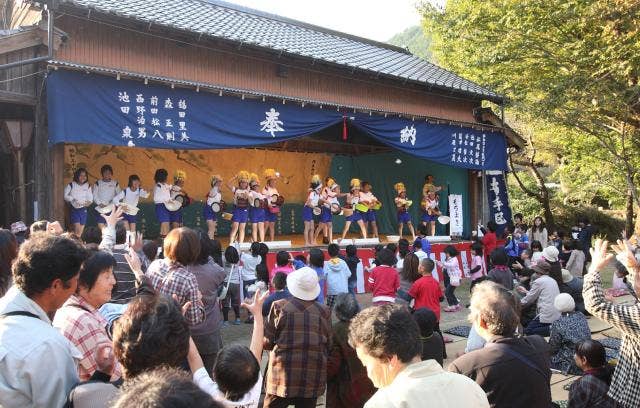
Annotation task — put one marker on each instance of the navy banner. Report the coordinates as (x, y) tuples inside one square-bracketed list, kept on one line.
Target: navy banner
[(92, 108), (499, 209)]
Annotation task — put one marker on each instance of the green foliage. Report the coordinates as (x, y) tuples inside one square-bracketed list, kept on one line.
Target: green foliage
[(571, 71), (415, 40)]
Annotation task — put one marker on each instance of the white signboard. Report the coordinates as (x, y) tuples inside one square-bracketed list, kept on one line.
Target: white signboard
[(455, 212)]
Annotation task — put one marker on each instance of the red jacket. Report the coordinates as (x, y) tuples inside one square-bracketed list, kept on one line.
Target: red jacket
[(490, 242), (384, 282)]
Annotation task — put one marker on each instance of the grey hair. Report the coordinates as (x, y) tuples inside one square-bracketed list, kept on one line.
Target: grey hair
[(496, 306), (346, 307)]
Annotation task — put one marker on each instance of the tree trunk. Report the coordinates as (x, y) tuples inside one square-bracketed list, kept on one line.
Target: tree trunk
[(629, 225)]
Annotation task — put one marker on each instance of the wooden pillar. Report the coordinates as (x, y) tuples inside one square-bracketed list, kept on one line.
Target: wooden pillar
[(56, 191), (41, 158)]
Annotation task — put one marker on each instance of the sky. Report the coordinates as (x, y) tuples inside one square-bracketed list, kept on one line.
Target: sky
[(374, 19)]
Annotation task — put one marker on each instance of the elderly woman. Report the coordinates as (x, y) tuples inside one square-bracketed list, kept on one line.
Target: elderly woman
[(543, 292), (347, 381), (567, 332), (79, 320), (210, 276), (8, 252), (170, 276)]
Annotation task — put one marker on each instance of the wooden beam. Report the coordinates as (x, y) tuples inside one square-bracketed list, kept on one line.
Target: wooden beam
[(18, 98), (20, 40)]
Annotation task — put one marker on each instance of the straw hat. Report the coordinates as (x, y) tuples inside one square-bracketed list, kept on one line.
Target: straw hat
[(355, 183), (399, 187), (180, 175), (303, 283), (550, 253), (271, 174), (243, 175), (564, 303)]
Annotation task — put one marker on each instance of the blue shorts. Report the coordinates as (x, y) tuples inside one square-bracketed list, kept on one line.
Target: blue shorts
[(369, 216), (355, 217), (208, 213), (326, 216), (131, 219), (404, 217), (162, 214), (307, 213), (240, 215), (256, 214), (79, 215), (176, 216), (99, 218), (269, 216), (428, 218)]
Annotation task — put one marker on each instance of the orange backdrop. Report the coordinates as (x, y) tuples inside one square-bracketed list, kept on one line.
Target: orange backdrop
[(295, 168)]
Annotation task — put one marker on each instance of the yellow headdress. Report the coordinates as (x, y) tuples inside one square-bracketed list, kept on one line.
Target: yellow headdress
[(271, 174), (329, 182), (180, 175), (399, 187), (355, 183), (214, 179), (315, 181), (254, 179), (243, 175)]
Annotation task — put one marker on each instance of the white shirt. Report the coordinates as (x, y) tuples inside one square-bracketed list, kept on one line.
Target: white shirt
[(214, 196), (38, 365), (105, 191), (421, 255), (313, 198), (206, 384), (367, 197), (249, 263), (162, 193), (175, 191), (80, 193), (237, 192), (427, 384), (130, 197)]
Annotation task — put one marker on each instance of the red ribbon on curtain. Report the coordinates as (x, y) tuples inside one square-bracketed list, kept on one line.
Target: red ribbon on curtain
[(344, 128)]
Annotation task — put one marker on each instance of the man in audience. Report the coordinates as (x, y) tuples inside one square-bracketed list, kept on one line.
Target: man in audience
[(543, 293), (513, 371), (38, 366), (387, 342), (297, 332)]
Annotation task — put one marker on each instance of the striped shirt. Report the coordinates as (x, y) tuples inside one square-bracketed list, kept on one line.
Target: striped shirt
[(125, 288), (625, 385)]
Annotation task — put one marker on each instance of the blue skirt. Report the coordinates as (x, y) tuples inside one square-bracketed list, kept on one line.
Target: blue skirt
[(403, 217), (207, 213), (240, 215), (355, 217), (269, 216), (131, 219), (256, 214), (176, 216), (428, 218), (162, 214), (326, 216), (307, 213)]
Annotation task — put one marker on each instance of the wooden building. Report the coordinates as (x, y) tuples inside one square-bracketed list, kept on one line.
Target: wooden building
[(213, 46)]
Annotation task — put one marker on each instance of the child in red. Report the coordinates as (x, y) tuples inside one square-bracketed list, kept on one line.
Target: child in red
[(384, 279), (426, 291)]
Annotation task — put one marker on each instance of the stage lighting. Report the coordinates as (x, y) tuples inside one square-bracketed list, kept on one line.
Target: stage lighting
[(398, 161)]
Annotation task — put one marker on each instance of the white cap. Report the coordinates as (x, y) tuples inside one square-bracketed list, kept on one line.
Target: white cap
[(303, 283)]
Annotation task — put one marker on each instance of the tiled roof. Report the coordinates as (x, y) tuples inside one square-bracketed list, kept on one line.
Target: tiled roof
[(239, 24)]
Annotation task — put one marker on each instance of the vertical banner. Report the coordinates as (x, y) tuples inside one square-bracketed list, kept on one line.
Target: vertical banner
[(455, 213), (499, 209)]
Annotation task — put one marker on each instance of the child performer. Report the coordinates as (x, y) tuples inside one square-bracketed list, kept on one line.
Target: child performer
[(79, 196), (104, 191), (213, 196), (130, 196), (256, 213), (269, 191), (178, 189), (329, 196), (367, 197), (313, 200), (161, 195), (430, 211), (352, 199), (241, 206), (402, 204), (429, 185)]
